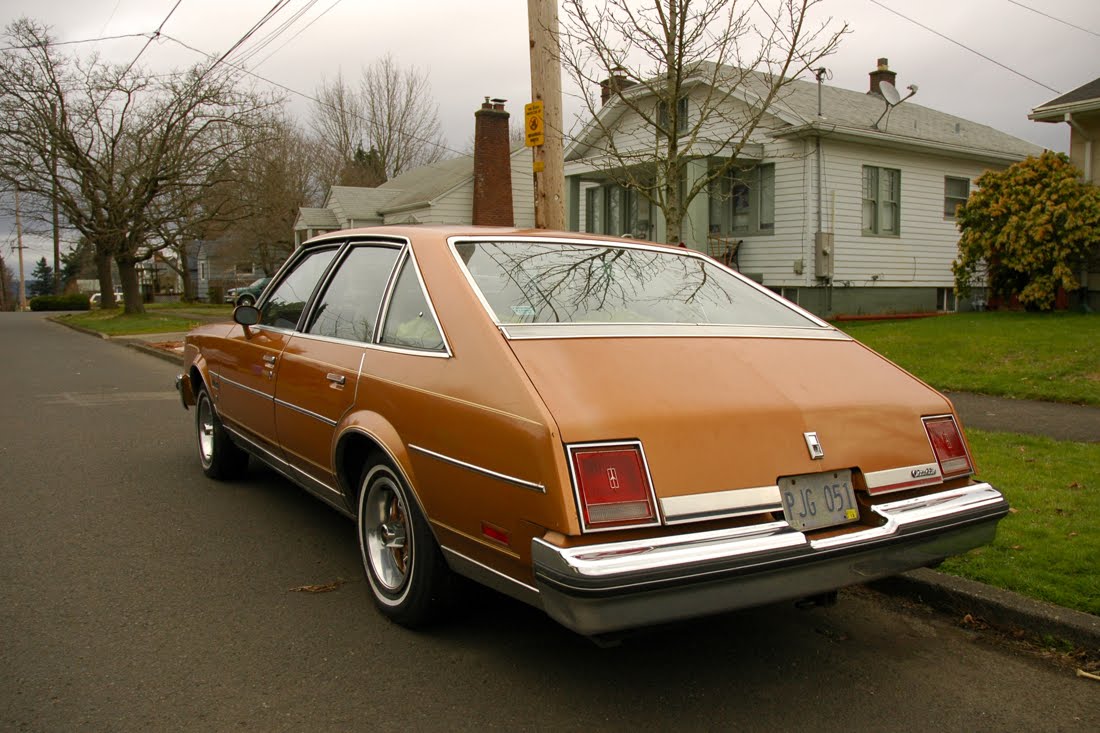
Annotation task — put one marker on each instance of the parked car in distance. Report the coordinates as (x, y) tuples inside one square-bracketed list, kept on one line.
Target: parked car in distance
[(247, 295), (97, 298), (616, 432)]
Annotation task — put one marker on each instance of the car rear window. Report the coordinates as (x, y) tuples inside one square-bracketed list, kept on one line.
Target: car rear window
[(539, 282)]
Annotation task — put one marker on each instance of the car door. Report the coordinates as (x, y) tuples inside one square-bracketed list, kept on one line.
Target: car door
[(318, 376), (245, 375)]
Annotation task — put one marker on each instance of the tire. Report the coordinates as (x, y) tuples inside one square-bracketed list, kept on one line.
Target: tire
[(219, 456), (246, 300), (408, 578)]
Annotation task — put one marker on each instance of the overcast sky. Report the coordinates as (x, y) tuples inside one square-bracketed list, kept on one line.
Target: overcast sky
[(479, 48)]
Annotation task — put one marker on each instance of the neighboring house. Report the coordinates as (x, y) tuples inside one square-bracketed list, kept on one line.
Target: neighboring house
[(439, 193), (1080, 109), (831, 211), (215, 267)]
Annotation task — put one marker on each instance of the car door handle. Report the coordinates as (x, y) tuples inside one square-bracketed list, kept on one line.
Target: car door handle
[(269, 360), (338, 379)]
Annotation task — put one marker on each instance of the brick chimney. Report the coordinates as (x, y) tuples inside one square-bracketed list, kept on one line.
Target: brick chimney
[(882, 73), (617, 82), (492, 166)]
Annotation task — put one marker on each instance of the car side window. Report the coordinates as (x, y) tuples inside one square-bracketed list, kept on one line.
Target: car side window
[(284, 308), (409, 321), (348, 309)]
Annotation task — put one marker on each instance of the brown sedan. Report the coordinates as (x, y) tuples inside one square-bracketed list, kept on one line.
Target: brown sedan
[(616, 432)]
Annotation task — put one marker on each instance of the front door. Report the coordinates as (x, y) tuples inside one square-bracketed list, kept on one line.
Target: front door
[(319, 373), (245, 374)]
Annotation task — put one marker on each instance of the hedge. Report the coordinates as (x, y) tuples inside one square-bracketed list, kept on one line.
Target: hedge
[(74, 302)]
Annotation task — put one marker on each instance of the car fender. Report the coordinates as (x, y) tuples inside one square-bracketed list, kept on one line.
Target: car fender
[(379, 431)]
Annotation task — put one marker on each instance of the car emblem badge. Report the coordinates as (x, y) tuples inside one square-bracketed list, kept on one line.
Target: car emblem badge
[(613, 478), (816, 451)]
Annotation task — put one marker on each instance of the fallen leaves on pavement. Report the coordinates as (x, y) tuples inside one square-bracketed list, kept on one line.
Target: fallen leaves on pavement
[(323, 588)]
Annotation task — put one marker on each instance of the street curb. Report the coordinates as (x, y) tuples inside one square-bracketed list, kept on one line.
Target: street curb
[(81, 329), (176, 359), (996, 607)]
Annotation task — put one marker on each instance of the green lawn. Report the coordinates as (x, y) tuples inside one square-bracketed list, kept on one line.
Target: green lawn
[(1042, 356), (1048, 547), (212, 309), (113, 322)]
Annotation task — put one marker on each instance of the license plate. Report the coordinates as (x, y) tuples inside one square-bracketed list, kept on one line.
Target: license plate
[(816, 500)]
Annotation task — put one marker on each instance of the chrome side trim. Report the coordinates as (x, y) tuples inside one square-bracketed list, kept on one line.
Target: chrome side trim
[(494, 579), (478, 469), (531, 331), (313, 486), (307, 413), (238, 385), (375, 347), (905, 477), (721, 504)]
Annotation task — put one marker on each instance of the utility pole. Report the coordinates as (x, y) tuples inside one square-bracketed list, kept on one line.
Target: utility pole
[(19, 246), (57, 284), (549, 163)]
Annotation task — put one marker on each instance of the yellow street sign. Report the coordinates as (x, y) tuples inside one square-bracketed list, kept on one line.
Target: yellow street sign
[(538, 166), (533, 124)]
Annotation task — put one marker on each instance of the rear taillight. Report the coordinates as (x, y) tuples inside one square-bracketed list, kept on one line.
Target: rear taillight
[(613, 487), (949, 446)]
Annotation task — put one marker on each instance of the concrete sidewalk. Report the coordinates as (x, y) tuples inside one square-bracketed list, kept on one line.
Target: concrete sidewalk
[(1079, 423)]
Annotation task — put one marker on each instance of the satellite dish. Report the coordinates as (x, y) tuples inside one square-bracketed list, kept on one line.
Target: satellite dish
[(889, 93)]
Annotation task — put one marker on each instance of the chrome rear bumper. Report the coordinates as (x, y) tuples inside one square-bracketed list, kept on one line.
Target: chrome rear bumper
[(596, 589)]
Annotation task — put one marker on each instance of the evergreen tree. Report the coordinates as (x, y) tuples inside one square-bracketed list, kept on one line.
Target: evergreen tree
[(41, 279)]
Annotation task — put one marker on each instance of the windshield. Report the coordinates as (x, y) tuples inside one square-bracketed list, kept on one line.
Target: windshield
[(544, 282)]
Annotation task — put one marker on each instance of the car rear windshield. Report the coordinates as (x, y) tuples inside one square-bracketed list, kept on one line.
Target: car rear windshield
[(539, 282)]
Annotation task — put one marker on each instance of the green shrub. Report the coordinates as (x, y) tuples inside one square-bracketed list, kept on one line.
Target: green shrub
[(74, 302)]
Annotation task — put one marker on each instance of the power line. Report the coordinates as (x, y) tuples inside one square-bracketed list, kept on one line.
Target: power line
[(303, 95), (300, 32), (82, 40), (279, 5), (264, 42), (152, 37), (1059, 20), (964, 46)]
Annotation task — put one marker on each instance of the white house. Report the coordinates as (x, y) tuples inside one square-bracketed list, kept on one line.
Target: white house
[(848, 211), (493, 186)]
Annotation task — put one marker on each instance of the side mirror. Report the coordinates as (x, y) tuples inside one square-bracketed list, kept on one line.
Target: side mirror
[(246, 315)]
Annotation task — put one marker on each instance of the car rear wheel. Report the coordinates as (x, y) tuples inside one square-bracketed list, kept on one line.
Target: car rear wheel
[(405, 569), (220, 458), (246, 300)]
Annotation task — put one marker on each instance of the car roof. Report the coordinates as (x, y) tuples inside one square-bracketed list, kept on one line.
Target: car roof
[(443, 232)]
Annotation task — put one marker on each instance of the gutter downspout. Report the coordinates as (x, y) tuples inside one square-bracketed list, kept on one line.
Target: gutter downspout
[(1088, 178)]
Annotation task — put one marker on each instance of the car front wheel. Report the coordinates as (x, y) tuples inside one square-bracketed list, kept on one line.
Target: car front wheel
[(246, 300), (405, 569), (220, 458)]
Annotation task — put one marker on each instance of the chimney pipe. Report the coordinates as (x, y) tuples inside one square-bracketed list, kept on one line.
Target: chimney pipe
[(492, 166)]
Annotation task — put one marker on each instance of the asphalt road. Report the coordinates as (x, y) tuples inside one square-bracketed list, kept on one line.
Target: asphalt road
[(137, 595)]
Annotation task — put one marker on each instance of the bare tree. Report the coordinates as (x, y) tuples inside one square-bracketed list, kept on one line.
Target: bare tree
[(390, 117), (338, 122), (402, 121), (135, 154), (650, 56)]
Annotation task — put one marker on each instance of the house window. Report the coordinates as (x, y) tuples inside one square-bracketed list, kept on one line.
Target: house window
[(743, 202), (881, 201), (955, 193), (681, 114), (204, 273), (617, 211)]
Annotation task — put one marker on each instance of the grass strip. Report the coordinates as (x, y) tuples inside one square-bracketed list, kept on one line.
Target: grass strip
[(113, 322), (1040, 356), (1047, 548)]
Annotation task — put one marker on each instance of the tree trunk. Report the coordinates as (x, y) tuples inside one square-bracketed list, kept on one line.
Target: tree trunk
[(131, 288), (106, 285)]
